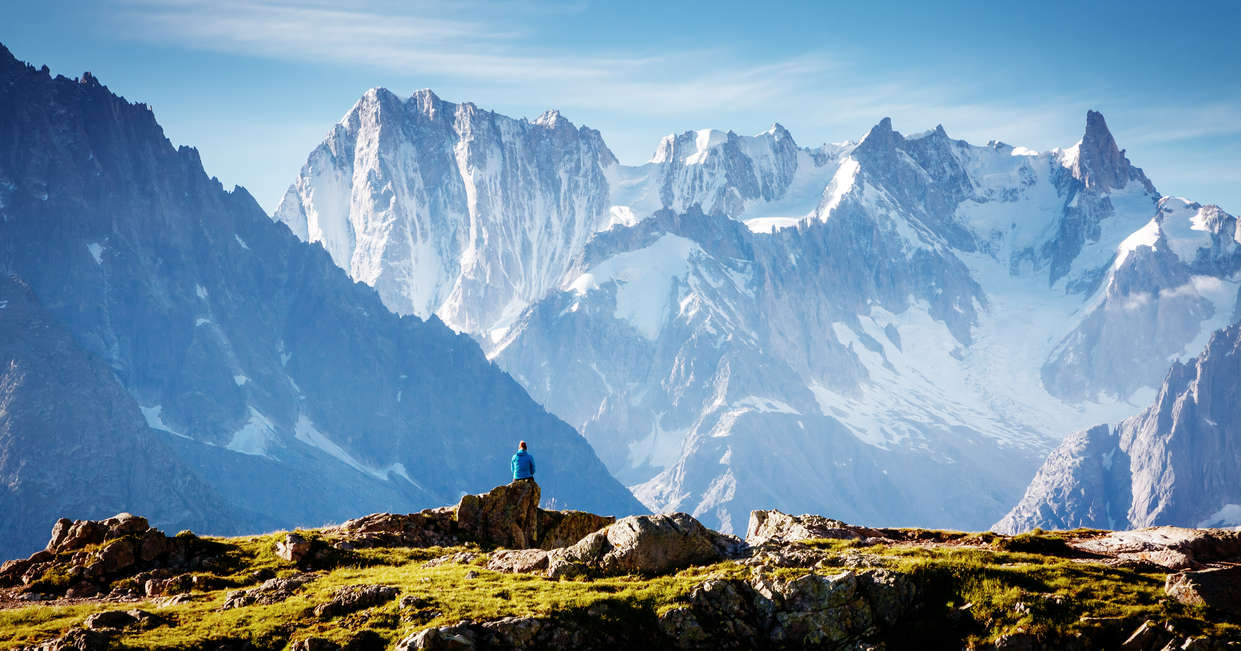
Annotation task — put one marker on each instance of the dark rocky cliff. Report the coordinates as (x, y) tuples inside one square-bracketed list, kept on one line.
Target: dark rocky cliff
[(282, 383)]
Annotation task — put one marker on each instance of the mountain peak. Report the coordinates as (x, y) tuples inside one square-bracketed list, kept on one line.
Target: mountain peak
[(550, 118), (1100, 163), (881, 138)]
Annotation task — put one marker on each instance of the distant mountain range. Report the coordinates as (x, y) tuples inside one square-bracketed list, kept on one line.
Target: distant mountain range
[(170, 350), (891, 330)]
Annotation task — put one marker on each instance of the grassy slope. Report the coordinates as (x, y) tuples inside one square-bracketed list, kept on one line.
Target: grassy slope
[(999, 581)]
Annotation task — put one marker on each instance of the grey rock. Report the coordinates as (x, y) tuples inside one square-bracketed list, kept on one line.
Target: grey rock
[(353, 598), (518, 560), (458, 558), (773, 526), (269, 592), (644, 544), (293, 548), (1174, 548)]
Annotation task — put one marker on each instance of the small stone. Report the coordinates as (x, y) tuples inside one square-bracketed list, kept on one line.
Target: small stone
[(293, 548), (314, 644), (354, 598), (110, 619)]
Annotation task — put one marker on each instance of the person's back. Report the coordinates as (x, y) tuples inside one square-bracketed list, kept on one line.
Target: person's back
[(523, 464)]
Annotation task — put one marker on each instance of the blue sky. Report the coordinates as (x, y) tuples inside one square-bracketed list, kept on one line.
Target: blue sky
[(255, 85)]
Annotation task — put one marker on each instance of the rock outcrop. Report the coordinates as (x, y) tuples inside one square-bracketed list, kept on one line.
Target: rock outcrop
[(768, 526), (638, 544), (84, 557), (507, 516), (1174, 548)]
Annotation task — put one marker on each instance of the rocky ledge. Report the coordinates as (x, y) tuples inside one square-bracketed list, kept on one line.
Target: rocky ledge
[(498, 572)]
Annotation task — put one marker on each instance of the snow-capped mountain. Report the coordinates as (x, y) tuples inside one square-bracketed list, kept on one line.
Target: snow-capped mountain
[(282, 384), (449, 209), (894, 329), (1175, 463)]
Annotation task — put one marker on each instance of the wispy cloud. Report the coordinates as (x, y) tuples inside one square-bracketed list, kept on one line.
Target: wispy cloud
[(497, 50), (413, 38)]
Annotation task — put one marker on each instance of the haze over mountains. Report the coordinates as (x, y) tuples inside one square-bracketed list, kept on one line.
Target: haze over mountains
[(889, 330), (270, 390)]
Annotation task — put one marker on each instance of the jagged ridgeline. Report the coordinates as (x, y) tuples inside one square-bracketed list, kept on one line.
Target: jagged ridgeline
[(497, 572), (1176, 462), (895, 329), (170, 350)]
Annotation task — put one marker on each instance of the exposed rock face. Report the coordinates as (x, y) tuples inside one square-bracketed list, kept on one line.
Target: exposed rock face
[(774, 526), (118, 619), (234, 339), (1172, 464), (507, 516), (518, 560), (469, 199), (59, 403), (1175, 548), (1100, 163), (78, 639)]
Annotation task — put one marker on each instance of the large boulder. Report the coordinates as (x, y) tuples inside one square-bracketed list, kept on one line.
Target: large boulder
[(772, 526), (564, 528), (1218, 588), (1175, 548), (507, 516), (644, 544), (294, 548), (428, 528), (518, 560)]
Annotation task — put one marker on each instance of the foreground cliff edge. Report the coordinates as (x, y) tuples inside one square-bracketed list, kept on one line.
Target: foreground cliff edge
[(496, 571)]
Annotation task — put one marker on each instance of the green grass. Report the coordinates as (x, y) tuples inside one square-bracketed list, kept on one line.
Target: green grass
[(1006, 585), (1028, 584)]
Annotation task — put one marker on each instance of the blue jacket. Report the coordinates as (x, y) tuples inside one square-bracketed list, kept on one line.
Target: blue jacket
[(523, 465)]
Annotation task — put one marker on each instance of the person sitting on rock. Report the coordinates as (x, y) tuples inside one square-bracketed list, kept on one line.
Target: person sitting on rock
[(523, 464)]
